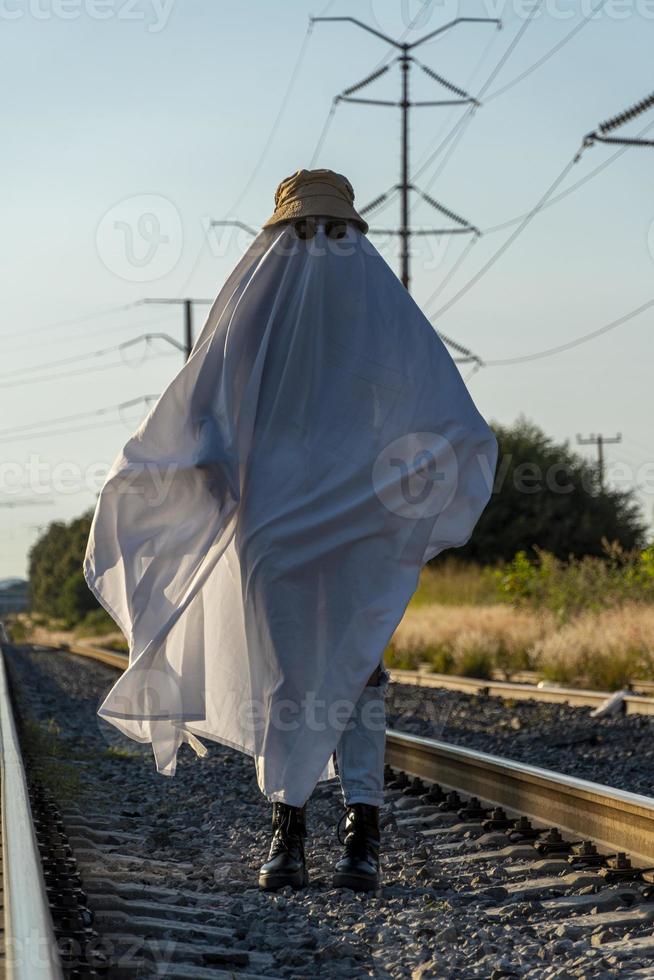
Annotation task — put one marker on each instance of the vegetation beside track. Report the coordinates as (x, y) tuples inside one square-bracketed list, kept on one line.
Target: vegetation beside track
[(585, 622), (555, 579)]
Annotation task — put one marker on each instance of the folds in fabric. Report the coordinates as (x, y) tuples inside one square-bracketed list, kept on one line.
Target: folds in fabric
[(259, 537)]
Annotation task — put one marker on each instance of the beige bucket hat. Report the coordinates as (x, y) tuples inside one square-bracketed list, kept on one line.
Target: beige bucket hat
[(312, 194)]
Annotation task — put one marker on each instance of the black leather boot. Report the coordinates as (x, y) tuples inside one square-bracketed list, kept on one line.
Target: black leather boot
[(359, 866), (286, 864)]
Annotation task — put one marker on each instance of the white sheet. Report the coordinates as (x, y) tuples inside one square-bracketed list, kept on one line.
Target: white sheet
[(318, 447)]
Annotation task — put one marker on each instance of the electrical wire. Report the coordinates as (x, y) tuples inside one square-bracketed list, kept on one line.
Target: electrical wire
[(76, 358), (71, 321), (463, 123), (461, 126), (506, 244), (323, 133), (569, 190), (277, 120), (78, 372), (459, 130), (471, 373), (90, 333), (482, 58), (84, 318), (92, 369), (472, 241), (526, 217), (51, 433), (77, 416), (548, 54), (577, 342)]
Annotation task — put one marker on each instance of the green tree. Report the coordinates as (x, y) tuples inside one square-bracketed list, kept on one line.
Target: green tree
[(547, 495), (55, 568)]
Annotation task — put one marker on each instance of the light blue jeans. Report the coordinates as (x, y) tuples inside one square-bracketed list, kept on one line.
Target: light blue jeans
[(360, 751)]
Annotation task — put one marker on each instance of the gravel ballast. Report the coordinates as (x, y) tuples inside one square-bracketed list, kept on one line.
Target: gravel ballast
[(456, 902), (615, 751)]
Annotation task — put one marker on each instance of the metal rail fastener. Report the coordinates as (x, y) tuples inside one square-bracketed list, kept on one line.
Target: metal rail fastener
[(613, 818)]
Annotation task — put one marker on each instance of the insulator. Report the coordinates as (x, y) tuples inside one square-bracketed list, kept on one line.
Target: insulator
[(373, 204), (453, 344), (627, 115), (446, 211), (366, 81), (444, 82)]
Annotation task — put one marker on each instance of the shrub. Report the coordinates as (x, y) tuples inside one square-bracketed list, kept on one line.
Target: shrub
[(452, 639), (96, 623), (567, 588)]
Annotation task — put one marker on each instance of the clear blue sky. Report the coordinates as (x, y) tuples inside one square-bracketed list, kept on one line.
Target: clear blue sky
[(168, 106)]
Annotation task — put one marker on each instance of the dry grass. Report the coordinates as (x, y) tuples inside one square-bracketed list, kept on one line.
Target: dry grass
[(601, 650), (452, 583), (30, 629), (468, 640)]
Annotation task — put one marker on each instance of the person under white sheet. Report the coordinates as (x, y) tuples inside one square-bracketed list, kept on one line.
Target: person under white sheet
[(318, 447)]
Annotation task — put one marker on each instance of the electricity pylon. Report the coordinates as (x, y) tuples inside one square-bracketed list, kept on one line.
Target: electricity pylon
[(405, 186)]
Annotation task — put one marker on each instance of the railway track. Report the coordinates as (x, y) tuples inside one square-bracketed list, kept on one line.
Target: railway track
[(630, 704), (525, 687), (554, 867)]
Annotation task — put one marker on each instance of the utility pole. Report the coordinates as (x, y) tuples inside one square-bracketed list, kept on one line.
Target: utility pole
[(187, 304), (405, 186), (405, 234), (600, 441)]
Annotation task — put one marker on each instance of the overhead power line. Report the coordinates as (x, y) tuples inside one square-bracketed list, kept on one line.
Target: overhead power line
[(120, 406), (459, 128), (548, 54), (93, 315), (277, 120), (46, 428), (577, 342), (454, 137), (146, 338), (71, 321), (506, 244), (556, 198), (526, 216)]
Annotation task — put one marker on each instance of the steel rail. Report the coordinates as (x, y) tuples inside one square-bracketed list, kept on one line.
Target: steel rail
[(614, 819), (109, 657), (633, 704), (533, 677), (31, 951)]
